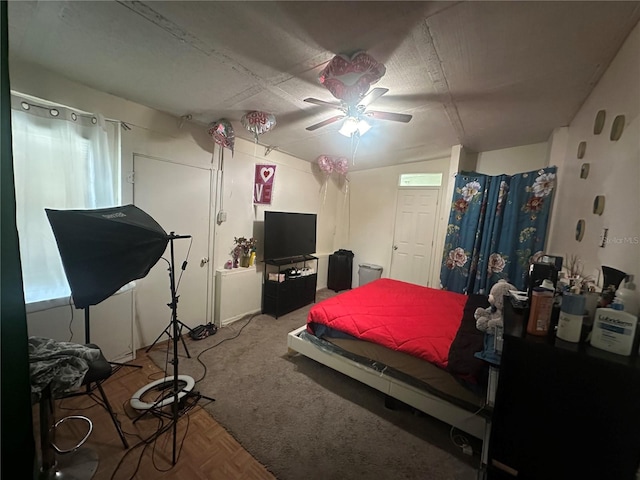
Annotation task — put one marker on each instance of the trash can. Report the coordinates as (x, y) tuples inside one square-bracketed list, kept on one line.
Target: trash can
[(369, 272)]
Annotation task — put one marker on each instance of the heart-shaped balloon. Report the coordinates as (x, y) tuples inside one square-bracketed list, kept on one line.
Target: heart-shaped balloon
[(326, 164), (341, 165), (349, 78), (258, 122), (222, 133)]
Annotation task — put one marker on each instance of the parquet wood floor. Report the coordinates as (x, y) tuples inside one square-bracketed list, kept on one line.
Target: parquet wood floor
[(206, 451)]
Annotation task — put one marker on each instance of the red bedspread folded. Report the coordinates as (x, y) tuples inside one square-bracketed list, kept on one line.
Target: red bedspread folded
[(416, 320)]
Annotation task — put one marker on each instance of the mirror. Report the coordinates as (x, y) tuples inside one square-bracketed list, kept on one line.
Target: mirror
[(584, 170), (582, 148), (598, 125), (598, 205), (580, 227), (617, 128)]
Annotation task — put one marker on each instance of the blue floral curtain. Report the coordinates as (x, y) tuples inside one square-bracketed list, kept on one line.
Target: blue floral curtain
[(497, 228)]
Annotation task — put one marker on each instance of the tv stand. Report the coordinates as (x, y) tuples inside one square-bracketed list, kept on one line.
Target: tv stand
[(286, 292)]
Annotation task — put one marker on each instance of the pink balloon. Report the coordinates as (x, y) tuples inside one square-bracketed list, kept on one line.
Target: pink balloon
[(349, 79), (341, 165), (325, 163)]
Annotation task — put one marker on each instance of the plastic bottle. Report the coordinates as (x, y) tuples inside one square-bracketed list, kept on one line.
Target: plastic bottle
[(541, 306), (571, 317), (614, 331), (628, 296)]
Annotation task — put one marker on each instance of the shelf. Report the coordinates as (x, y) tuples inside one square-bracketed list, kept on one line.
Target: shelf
[(280, 298), (289, 260)]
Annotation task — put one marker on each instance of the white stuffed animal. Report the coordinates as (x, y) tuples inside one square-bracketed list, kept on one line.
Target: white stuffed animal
[(488, 318)]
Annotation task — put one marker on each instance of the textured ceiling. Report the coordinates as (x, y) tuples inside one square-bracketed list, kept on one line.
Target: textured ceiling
[(486, 75)]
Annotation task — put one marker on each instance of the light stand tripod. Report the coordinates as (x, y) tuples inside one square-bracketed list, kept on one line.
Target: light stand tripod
[(177, 392), (168, 331)]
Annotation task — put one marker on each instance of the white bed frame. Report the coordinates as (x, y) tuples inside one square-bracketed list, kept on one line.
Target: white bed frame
[(422, 400)]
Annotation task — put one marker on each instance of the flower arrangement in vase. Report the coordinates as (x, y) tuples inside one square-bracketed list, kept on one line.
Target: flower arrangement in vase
[(242, 250)]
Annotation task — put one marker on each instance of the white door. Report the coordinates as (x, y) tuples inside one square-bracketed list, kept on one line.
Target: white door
[(416, 212), (178, 197)]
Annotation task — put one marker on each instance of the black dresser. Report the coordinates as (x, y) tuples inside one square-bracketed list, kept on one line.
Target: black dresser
[(563, 410)]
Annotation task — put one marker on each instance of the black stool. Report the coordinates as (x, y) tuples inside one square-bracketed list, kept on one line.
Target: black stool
[(71, 464), (99, 370)]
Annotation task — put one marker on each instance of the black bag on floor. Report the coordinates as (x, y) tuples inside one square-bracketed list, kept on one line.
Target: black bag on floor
[(203, 331), (340, 270)]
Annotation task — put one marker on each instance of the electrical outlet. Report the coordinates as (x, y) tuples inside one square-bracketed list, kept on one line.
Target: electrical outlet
[(222, 217)]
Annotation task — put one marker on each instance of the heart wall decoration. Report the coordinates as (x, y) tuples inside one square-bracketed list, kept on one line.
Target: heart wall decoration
[(263, 178)]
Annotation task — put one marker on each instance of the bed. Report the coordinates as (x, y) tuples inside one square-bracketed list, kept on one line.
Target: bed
[(415, 344)]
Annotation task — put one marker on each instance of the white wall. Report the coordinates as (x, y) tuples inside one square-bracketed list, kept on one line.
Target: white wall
[(513, 160), (614, 172), (368, 227), (298, 184), (298, 187)]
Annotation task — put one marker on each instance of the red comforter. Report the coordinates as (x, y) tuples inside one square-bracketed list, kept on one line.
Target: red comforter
[(435, 325)]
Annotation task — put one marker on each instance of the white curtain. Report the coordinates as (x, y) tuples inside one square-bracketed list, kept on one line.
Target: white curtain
[(63, 159)]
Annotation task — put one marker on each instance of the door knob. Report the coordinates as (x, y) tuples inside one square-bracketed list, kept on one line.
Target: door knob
[(395, 247), (204, 261)]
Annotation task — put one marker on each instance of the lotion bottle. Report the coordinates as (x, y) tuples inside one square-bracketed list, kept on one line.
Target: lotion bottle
[(541, 306), (571, 315), (628, 296), (614, 331)]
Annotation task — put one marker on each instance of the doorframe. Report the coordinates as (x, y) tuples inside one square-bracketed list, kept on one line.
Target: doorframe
[(436, 229), (213, 194)]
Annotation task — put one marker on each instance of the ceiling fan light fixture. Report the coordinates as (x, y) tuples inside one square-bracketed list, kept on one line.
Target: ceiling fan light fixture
[(349, 127), (352, 125), (363, 127)]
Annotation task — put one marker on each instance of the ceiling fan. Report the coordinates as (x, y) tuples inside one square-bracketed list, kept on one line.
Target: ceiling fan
[(355, 115)]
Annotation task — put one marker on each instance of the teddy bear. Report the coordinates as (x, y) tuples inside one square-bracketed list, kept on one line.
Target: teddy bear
[(488, 318)]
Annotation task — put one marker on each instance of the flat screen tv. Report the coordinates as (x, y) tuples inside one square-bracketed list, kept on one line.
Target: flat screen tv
[(289, 234)]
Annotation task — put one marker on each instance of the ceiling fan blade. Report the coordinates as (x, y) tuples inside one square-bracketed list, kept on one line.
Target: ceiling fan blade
[(394, 117), (372, 96), (322, 103), (325, 122)]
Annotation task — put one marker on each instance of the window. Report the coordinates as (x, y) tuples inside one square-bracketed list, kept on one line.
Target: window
[(420, 180), (63, 159)]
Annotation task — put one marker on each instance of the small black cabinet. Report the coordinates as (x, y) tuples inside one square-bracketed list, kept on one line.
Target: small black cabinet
[(283, 293)]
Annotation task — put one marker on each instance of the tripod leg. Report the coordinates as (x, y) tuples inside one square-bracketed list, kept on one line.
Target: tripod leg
[(118, 365), (113, 418), (184, 343), (159, 336)]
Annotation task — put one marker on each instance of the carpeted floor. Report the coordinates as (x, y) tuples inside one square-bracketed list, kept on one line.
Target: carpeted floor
[(303, 420)]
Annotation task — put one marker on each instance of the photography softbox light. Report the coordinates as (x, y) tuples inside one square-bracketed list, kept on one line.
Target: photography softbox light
[(104, 249)]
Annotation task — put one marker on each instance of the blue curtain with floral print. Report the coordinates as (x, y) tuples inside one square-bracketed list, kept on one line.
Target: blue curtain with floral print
[(497, 228)]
